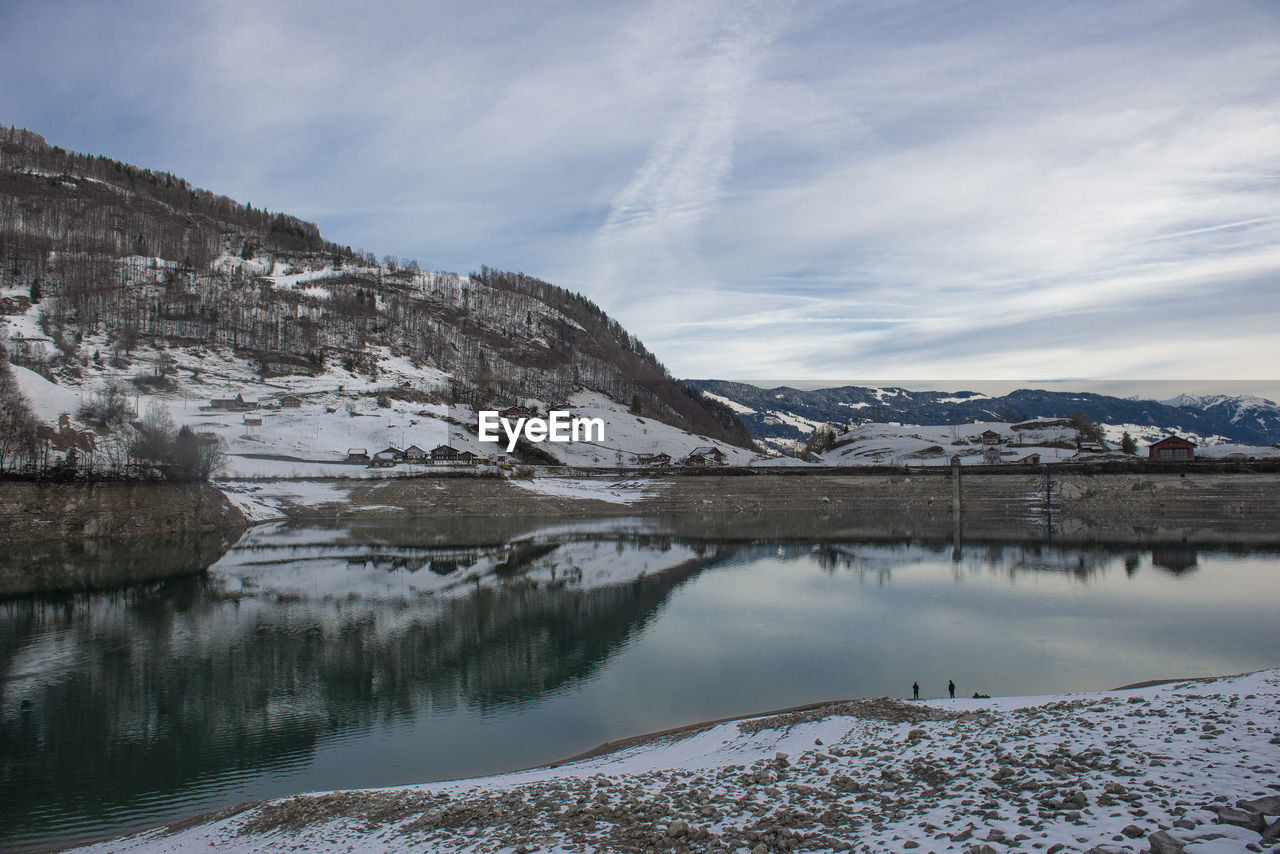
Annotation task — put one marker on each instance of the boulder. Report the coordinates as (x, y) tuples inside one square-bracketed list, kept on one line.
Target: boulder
[(1270, 805), (1242, 818), (1163, 842)]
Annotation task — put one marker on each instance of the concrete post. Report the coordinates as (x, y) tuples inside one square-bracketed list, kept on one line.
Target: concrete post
[(957, 546), (955, 489)]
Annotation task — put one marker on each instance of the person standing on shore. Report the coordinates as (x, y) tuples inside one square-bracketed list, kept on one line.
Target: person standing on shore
[(915, 690), (951, 689)]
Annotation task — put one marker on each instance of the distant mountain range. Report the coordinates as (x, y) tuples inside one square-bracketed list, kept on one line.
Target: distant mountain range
[(785, 413)]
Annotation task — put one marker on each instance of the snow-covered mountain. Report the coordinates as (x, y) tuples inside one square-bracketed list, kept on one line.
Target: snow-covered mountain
[(1247, 411), (111, 275), (785, 415)]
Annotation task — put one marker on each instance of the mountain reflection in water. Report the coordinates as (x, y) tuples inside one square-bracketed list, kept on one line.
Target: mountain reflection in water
[(374, 654)]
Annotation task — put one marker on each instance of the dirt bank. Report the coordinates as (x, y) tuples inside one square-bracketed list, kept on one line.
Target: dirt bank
[(43, 511), (66, 538), (1124, 508)]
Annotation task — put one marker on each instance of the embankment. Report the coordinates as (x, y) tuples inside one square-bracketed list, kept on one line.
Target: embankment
[(54, 511), (85, 536), (1152, 509)]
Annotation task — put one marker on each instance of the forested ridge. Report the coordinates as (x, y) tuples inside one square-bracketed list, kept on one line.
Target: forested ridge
[(125, 256)]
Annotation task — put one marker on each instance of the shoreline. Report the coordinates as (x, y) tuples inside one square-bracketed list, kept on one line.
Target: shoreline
[(617, 744), (1128, 507), (1099, 770)]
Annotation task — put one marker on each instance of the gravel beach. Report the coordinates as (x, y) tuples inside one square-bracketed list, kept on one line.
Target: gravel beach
[(1185, 766)]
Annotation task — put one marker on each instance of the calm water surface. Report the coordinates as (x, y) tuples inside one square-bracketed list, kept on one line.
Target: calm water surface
[(341, 657)]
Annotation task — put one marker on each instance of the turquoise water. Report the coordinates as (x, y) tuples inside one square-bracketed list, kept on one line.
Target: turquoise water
[(323, 658)]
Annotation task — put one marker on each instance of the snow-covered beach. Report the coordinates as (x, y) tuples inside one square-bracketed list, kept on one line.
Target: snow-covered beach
[(1179, 766)]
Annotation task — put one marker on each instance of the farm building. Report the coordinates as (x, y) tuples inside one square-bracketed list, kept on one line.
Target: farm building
[(1172, 448)]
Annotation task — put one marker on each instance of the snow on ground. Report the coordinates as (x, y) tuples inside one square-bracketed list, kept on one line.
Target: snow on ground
[(283, 278), (319, 433), (739, 408), (1173, 767), (48, 400), (1211, 447), (804, 425), (613, 491), (266, 500), (339, 411), (1144, 435), (781, 462), (965, 397), (25, 326), (905, 444), (1227, 449), (626, 435)]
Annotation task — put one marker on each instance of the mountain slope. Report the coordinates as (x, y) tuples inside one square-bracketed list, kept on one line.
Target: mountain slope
[(789, 414), (1248, 412), (121, 258)]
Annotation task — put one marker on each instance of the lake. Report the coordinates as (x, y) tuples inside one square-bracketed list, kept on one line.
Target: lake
[(373, 654)]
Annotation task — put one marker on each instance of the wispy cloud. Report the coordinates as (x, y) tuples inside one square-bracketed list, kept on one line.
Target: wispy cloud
[(651, 228), (928, 188)]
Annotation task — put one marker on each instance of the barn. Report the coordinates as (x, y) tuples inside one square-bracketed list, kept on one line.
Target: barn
[(1172, 448)]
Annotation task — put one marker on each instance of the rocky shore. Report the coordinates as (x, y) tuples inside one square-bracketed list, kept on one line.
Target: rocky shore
[(1179, 767)]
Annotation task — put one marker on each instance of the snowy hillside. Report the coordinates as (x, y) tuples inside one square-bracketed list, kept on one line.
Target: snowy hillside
[(338, 412), (112, 272), (895, 444), (1040, 442)]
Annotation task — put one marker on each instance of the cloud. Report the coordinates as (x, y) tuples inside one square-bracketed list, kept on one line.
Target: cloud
[(652, 223), (1055, 202), (921, 188)]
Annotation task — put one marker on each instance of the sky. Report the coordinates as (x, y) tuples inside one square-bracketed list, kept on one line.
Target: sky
[(803, 192)]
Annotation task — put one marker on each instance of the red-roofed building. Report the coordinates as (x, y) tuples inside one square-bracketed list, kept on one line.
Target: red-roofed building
[(1172, 448)]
